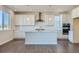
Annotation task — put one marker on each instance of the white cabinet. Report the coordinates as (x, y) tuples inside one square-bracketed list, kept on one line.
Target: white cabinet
[(21, 21), (75, 12), (19, 34), (25, 19), (49, 19), (66, 17), (70, 36), (41, 37)]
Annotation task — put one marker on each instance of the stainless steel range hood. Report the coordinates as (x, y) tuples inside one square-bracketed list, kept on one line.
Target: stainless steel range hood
[(40, 19)]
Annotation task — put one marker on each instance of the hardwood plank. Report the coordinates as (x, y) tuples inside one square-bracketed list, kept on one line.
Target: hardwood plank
[(18, 46)]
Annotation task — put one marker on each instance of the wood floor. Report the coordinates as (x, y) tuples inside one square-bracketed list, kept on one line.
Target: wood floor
[(18, 46)]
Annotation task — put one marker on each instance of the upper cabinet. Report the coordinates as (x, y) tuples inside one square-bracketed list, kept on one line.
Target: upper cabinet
[(25, 19), (49, 19), (66, 17), (75, 12)]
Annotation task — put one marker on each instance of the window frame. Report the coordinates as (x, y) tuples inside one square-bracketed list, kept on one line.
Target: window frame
[(8, 26)]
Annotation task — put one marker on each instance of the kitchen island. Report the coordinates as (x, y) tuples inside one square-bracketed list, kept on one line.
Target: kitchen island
[(41, 37)]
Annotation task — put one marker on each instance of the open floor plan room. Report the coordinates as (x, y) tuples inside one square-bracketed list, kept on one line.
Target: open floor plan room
[(39, 29)]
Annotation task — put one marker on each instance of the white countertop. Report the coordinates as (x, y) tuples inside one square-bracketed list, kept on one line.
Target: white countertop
[(41, 31)]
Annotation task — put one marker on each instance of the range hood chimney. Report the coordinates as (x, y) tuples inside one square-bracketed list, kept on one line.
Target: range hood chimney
[(40, 19)]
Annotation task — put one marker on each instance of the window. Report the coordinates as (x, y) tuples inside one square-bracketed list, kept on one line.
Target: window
[(5, 20), (0, 20), (58, 22)]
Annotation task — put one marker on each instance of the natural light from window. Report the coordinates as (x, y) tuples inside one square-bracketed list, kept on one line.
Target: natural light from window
[(5, 20)]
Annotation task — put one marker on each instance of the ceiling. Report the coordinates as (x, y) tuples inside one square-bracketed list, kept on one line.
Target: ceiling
[(42, 8)]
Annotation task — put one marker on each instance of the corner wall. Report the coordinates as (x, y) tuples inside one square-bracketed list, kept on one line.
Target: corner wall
[(6, 35)]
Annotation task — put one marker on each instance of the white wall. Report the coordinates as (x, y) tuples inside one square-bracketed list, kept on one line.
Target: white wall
[(6, 35)]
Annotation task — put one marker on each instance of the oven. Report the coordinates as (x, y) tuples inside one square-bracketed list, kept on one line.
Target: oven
[(66, 28)]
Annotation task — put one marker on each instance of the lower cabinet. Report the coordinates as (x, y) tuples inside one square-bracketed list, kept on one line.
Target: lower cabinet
[(19, 34), (41, 37), (70, 36)]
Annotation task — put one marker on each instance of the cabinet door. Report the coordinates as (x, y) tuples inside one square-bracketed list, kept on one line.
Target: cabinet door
[(18, 19), (49, 20), (29, 20), (25, 19), (75, 12)]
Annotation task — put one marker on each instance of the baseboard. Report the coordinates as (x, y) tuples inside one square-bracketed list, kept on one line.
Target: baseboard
[(62, 39), (5, 42), (19, 38), (74, 43)]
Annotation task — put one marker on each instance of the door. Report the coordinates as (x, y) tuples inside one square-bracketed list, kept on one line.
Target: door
[(76, 30)]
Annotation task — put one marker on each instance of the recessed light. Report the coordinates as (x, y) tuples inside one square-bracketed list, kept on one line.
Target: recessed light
[(15, 10), (50, 5), (27, 5), (27, 19)]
